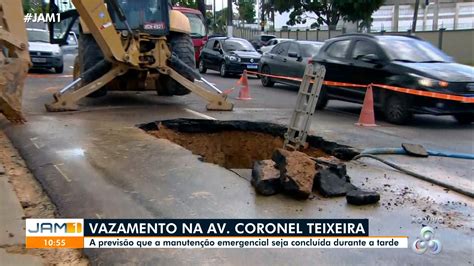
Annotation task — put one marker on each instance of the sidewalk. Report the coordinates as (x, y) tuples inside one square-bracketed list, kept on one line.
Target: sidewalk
[(12, 234), (21, 197)]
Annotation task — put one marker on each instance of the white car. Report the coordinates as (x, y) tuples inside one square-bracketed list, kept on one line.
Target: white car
[(44, 54), (271, 43), (72, 44)]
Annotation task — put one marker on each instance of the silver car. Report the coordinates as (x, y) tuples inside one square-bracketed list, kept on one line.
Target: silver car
[(44, 54), (271, 43)]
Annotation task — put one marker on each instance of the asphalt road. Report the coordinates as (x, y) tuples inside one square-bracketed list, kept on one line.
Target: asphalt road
[(96, 163)]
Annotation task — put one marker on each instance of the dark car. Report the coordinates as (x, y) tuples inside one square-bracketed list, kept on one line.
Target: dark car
[(401, 61), (228, 56), (261, 40), (287, 59)]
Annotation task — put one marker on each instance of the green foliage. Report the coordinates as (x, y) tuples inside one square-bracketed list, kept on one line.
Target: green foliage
[(246, 10), (356, 10), (327, 12), (185, 3), (26, 6), (219, 25), (32, 6)]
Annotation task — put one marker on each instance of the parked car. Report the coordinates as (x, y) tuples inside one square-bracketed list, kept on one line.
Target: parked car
[(271, 43), (287, 59), (44, 54), (260, 40), (71, 47), (399, 61), (228, 56)]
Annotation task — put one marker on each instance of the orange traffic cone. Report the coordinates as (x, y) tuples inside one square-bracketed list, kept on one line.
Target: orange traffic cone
[(244, 93), (367, 116)]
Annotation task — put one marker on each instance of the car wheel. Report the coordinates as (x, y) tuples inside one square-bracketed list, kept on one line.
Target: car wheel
[(223, 70), (322, 99), (59, 69), (266, 80), (202, 68), (464, 119), (397, 109)]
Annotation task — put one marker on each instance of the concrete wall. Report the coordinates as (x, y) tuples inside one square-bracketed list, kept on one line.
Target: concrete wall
[(458, 44)]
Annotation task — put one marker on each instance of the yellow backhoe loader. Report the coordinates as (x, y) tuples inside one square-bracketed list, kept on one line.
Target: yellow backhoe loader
[(123, 45)]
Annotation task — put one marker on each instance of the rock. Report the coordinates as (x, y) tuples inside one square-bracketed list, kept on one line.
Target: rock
[(361, 197), (266, 177), (2, 169), (297, 172), (333, 164), (331, 185)]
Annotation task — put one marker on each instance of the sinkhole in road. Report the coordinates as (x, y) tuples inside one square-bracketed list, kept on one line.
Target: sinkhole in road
[(236, 143)]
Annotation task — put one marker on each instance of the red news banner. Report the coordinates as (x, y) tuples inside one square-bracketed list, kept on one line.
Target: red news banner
[(206, 233)]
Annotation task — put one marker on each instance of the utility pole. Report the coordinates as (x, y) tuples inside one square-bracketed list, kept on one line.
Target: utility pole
[(436, 15), (415, 16), (214, 13), (230, 27), (262, 16)]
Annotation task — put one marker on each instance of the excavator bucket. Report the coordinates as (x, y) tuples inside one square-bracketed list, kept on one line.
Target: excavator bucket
[(12, 75), (14, 59)]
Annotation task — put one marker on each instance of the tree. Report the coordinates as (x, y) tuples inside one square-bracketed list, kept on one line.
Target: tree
[(219, 26), (185, 3), (32, 6), (327, 12), (246, 10), (360, 10)]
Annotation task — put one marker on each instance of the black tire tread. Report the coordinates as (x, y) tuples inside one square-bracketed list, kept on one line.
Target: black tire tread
[(89, 55), (182, 46)]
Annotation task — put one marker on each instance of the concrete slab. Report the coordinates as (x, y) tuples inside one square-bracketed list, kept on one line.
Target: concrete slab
[(12, 231), (11, 225)]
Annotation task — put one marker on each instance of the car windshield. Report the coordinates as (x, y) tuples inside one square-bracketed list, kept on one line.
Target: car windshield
[(266, 38), (238, 45), (310, 49), (198, 30), (38, 36), (412, 50)]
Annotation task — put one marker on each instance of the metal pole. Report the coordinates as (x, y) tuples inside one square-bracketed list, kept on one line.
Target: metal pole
[(214, 12), (230, 27), (415, 16), (440, 38), (436, 15), (262, 16)]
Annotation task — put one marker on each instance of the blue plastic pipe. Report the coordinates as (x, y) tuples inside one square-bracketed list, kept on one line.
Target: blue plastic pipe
[(430, 152)]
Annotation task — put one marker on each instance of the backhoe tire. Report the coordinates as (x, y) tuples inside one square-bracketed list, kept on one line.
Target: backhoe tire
[(90, 54), (182, 46)]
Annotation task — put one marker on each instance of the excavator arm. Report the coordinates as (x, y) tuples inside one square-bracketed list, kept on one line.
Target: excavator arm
[(14, 59)]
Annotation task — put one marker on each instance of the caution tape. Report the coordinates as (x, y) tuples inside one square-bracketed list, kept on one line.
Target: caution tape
[(437, 95)]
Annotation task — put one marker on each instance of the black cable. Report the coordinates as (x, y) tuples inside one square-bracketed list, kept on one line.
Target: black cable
[(422, 177)]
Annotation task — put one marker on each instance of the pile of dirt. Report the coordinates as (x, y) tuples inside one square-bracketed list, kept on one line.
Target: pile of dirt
[(229, 149), (35, 203)]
